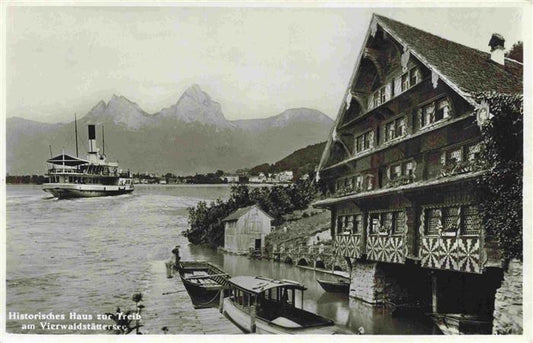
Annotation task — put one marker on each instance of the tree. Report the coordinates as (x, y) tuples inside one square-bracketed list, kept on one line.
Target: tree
[(517, 52), (206, 226)]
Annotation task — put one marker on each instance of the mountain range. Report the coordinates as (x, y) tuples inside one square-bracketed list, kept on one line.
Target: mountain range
[(191, 136)]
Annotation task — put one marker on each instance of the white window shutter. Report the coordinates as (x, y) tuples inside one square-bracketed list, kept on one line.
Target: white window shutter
[(388, 91), (397, 85)]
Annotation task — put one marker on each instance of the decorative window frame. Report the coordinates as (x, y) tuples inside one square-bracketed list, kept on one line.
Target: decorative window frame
[(390, 89), (384, 125), (371, 138), (435, 100), (402, 164), (459, 233), (466, 164), (391, 232), (345, 221)]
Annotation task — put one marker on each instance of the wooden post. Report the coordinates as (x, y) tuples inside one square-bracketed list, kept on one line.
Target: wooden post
[(434, 294), (221, 301), (252, 319)]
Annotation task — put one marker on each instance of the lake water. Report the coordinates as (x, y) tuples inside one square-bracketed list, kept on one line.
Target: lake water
[(88, 256)]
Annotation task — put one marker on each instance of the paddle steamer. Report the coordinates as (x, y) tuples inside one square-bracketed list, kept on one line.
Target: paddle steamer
[(74, 177)]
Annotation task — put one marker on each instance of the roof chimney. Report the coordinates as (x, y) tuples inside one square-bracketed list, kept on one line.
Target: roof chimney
[(497, 48)]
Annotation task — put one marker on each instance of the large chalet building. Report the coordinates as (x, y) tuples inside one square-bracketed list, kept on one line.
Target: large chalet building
[(401, 161)]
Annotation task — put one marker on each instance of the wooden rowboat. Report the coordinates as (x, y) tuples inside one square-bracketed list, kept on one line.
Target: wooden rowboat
[(340, 286), (203, 281)]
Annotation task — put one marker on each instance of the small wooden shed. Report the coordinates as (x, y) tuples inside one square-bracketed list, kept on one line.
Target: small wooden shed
[(245, 229)]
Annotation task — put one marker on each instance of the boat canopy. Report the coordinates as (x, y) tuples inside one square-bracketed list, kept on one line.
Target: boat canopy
[(259, 284), (67, 160)]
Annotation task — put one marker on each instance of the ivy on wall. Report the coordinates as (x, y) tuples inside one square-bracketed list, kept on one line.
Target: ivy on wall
[(500, 188)]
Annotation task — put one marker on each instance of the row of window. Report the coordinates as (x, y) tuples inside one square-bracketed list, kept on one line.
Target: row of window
[(453, 161), (387, 222), (394, 87), (464, 220), (84, 180), (352, 224), (462, 154), (454, 219), (356, 183), (429, 114), (383, 222)]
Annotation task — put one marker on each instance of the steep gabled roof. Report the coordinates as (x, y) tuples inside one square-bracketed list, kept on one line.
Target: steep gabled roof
[(471, 70), (235, 215), (466, 70)]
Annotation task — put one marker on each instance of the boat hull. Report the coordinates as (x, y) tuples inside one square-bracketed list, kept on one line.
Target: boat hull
[(65, 191), (200, 291), (334, 287), (243, 320), (203, 281)]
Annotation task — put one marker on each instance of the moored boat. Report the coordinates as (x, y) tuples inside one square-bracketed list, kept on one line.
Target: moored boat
[(268, 306), (203, 281), (74, 177), (462, 324), (340, 286)]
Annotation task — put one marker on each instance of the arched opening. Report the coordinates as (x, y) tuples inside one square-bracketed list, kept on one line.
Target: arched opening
[(288, 260), (355, 109), (320, 264), (303, 262), (337, 268), (368, 77)]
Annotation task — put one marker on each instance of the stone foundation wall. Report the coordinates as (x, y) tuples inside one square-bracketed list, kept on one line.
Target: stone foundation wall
[(379, 283), (363, 285), (508, 302)]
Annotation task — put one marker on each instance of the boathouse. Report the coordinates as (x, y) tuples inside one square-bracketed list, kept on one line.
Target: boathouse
[(245, 230), (400, 168)]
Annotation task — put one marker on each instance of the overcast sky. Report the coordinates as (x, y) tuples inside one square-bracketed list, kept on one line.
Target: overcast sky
[(256, 62)]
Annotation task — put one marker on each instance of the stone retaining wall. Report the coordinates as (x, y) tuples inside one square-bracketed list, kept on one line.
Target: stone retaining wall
[(508, 302)]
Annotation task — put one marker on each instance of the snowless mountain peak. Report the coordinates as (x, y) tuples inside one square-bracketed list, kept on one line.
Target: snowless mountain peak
[(195, 105), (120, 111)]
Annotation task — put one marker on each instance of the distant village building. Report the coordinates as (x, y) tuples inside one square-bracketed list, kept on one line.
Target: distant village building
[(245, 229), (285, 176), (261, 178), (230, 178), (400, 168)]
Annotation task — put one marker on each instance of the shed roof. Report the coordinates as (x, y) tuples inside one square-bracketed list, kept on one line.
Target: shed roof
[(259, 284), (235, 215)]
